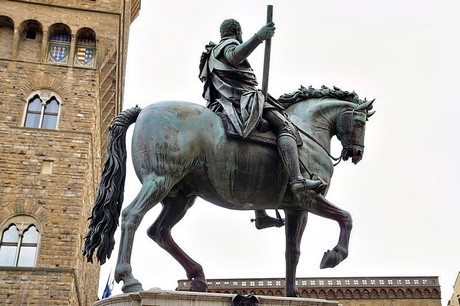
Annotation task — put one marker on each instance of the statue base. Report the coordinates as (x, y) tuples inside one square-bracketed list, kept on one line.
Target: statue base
[(158, 297)]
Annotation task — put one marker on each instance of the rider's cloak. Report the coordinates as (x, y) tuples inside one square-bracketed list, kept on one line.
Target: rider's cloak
[(232, 88)]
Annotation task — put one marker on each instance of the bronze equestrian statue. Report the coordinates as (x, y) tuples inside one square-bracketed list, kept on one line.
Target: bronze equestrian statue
[(181, 151)]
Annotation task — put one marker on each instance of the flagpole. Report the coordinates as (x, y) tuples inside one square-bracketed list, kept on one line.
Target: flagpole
[(107, 290)]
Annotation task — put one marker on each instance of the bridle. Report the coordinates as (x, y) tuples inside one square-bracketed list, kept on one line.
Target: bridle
[(354, 116), (337, 160)]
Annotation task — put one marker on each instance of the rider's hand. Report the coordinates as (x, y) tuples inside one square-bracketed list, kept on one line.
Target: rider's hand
[(267, 31)]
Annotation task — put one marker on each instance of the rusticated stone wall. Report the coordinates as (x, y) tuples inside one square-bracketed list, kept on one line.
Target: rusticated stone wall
[(52, 175), (455, 299)]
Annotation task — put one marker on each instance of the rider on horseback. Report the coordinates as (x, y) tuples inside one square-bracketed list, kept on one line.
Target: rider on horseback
[(230, 86)]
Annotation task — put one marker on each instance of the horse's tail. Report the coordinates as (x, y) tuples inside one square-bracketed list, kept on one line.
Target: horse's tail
[(109, 199)]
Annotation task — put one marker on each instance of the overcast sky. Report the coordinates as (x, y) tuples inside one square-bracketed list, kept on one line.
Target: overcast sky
[(403, 195)]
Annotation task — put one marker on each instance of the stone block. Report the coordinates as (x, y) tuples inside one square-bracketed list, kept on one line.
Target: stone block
[(157, 297)]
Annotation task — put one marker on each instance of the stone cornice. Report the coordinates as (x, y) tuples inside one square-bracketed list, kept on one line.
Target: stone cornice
[(339, 288)]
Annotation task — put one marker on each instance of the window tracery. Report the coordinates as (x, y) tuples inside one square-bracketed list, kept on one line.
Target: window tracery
[(20, 237), (42, 110)]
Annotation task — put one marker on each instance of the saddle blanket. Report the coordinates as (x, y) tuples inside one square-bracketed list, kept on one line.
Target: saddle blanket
[(268, 137)]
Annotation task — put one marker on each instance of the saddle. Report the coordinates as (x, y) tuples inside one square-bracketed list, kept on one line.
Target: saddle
[(268, 138)]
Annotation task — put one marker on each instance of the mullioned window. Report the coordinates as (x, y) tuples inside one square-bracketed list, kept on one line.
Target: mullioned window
[(19, 244), (42, 111)]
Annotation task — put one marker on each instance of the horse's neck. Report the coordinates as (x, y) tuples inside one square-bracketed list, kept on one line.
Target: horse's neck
[(316, 118)]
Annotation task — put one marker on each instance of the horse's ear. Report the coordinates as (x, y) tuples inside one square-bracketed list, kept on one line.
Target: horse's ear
[(369, 114), (367, 105)]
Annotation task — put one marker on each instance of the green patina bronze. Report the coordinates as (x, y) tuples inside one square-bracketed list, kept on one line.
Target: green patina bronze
[(180, 151)]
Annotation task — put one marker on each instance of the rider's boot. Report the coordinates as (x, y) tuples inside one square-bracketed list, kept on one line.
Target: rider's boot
[(287, 148), (265, 221)]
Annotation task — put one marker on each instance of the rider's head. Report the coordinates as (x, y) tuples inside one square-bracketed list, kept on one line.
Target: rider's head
[(229, 28)]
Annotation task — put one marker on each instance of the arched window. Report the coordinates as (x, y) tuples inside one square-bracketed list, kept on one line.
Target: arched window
[(85, 50), (31, 29), (6, 36), (30, 43), (19, 242), (42, 111), (59, 44)]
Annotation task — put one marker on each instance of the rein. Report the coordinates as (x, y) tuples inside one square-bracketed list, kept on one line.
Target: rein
[(337, 159)]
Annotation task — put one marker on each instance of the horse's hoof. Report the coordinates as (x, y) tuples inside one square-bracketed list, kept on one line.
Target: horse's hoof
[(329, 260), (334, 257), (198, 285), (134, 286)]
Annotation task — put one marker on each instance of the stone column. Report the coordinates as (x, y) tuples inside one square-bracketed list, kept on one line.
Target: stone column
[(73, 43), (44, 47), (16, 37)]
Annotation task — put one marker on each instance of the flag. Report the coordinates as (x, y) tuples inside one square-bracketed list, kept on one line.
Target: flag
[(108, 288)]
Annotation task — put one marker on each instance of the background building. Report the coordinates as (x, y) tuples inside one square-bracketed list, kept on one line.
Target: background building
[(349, 291), (455, 299), (62, 65)]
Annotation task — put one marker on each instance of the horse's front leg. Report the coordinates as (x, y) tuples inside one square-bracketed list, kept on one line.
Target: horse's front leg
[(322, 207), (294, 228)]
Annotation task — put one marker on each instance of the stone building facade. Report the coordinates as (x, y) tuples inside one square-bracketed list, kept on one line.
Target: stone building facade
[(455, 299), (62, 64), (348, 291)]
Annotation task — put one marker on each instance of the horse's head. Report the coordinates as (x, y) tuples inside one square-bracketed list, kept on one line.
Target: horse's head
[(350, 130)]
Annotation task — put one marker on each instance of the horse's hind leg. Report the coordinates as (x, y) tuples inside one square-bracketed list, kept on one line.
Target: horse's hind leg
[(153, 191), (174, 209), (294, 228), (324, 208)]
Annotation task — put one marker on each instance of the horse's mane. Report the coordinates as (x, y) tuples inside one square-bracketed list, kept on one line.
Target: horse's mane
[(304, 93)]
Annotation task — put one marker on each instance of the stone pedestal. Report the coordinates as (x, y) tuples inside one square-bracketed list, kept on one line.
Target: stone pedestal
[(157, 297)]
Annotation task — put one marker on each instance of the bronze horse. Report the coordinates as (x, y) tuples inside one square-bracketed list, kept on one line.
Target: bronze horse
[(180, 151)]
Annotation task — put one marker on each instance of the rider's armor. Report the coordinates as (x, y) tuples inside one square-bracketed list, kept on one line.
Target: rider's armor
[(231, 87)]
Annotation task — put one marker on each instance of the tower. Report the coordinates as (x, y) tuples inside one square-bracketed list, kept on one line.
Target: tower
[(62, 65)]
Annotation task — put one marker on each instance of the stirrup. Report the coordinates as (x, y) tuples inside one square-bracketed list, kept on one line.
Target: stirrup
[(300, 184), (267, 221)]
